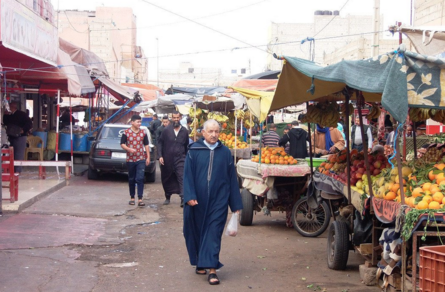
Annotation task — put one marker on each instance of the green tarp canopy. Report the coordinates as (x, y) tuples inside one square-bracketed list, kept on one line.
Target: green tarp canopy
[(398, 79)]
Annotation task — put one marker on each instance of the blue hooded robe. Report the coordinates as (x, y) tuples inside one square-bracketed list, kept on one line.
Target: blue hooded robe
[(210, 178)]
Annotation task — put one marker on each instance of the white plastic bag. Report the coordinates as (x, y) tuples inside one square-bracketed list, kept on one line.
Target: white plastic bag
[(232, 227)]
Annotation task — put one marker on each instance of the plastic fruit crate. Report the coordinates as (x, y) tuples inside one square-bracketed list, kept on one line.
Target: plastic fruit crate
[(432, 269), (315, 161)]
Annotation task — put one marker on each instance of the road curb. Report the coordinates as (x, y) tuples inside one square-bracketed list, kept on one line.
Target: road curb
[(34, 199)]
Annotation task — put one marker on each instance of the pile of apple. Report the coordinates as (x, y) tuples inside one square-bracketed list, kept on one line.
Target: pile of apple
[(358, 170), (336, 168)]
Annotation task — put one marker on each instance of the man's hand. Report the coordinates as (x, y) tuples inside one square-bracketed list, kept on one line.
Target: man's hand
[(192, 203), (324, 152), (147, 162), (332, 149), (161, 160), (131, 150)]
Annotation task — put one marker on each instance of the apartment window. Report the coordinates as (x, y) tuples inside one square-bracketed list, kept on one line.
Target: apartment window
[(233, 71), (191, 70), (243, 70)]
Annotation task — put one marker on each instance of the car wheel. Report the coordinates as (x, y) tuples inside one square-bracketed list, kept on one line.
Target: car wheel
[(150, 176), (92, 174)]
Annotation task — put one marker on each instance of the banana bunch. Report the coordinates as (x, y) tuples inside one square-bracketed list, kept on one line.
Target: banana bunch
[(192, 134), (419, 114), (221, 118), (192, 112), (247, 124), (239, 114), (343, 109), (374, 113), (438, 115)]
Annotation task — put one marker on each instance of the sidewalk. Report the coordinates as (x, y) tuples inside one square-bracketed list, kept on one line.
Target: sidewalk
[(32, 188)]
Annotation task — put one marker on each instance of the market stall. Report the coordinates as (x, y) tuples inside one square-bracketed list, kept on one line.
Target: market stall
[(395, 193)]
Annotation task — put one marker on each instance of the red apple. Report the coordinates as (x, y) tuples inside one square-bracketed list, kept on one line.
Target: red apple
[(361, 170), (353, 168), (376, 171), (358, 175), (371, 168), (353, 181)]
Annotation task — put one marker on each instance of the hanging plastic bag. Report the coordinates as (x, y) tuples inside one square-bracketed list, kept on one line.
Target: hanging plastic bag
[(232, 227)]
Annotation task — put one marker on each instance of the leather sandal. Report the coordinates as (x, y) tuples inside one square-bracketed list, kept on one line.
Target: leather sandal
[(141, 204), (213, 276), (200, 271), (132, 202)]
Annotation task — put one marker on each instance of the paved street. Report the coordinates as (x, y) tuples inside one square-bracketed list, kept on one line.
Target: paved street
[(85, 237)]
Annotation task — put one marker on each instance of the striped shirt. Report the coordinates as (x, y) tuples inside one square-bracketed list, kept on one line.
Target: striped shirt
[(270, 139)]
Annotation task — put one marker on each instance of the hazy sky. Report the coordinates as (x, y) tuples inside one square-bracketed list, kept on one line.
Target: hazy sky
[(239, 21)]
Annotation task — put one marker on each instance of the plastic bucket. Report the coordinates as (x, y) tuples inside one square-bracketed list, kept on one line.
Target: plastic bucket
[(64, 141), (43, 136), (80, 142)]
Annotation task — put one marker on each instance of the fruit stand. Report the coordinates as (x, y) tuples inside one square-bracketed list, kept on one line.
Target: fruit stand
[(405, 200)]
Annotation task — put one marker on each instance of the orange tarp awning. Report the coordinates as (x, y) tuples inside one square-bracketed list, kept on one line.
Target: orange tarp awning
[(257, 84)]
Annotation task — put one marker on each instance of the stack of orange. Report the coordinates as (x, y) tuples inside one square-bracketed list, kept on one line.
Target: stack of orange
[(229, 141), (274, 156)]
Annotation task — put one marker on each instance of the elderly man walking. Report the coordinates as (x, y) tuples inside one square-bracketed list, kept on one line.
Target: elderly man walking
[(210, 185)]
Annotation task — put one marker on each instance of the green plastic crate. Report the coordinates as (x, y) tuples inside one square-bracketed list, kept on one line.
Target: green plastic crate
[(315, 161)]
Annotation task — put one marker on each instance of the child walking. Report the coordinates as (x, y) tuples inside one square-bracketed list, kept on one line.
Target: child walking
[(134, 141)]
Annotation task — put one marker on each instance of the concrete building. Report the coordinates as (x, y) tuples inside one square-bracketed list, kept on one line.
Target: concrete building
[(187, 75), (429, 13), (337, 38), (110, 32)]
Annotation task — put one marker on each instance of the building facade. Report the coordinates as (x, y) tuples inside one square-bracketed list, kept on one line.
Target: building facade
[(187, 75), (341, 38), (109, 32), (429, 13)]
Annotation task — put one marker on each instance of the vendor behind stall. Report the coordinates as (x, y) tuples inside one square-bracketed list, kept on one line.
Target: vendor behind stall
[(327, 140), (65, 119), (297, 138)]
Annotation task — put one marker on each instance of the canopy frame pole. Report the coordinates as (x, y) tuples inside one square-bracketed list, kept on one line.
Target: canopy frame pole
[(310, 144), (415, 141), (194, 124), (236, 128), (57, 130), (71, 136), (348, 158), (250, 131), (360, 103), (399, 169)]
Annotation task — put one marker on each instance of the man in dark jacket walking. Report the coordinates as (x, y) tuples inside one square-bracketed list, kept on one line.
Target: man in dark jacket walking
[(297, 138), (154, 125), (172, 147)]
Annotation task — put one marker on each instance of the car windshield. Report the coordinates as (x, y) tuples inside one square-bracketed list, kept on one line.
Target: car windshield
[(112, 133), (116, 133)]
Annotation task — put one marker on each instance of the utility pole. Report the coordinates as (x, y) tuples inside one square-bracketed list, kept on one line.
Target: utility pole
[(376, 22)]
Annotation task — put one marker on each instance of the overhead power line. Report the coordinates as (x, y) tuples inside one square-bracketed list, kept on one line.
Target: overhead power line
[(203, 25), (176, 22), (331, 19)]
